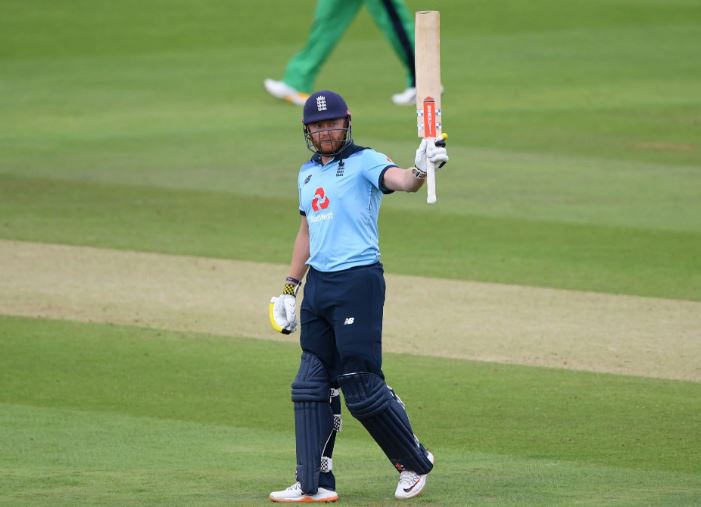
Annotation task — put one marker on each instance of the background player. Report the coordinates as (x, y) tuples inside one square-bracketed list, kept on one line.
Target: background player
[(331, 19)]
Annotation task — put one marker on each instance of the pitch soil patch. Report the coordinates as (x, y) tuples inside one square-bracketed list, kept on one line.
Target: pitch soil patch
[(423, 316)]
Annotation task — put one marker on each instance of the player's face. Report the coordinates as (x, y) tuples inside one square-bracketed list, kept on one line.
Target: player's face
[(328, 135)]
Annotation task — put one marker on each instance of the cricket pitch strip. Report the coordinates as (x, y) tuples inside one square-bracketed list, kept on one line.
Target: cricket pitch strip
[(589, 331)]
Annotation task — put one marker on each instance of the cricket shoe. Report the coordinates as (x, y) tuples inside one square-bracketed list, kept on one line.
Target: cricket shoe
[(280, 90), (294, 494), (411, 484), (407, 97)]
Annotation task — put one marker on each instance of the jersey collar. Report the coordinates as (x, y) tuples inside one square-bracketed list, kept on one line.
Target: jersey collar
[(345, 153)]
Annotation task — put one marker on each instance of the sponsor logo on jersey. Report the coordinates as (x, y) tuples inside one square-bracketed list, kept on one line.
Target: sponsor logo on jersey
[(320, 217), (306, 180), (320, 200)]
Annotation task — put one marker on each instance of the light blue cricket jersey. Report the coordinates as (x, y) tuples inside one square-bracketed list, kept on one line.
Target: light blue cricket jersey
[(341, 201)]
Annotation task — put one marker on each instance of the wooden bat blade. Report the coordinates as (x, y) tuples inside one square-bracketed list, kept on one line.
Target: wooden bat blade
[(428, 72), (428, 85)]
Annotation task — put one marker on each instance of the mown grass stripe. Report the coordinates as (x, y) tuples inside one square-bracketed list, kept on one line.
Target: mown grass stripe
[(539, 253)]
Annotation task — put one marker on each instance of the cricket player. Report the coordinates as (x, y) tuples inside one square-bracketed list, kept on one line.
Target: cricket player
[(331, 19), (340, 191)]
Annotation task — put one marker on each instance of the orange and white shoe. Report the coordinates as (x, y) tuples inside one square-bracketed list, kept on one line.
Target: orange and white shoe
[(294, 494), (411, 484), (283, 91)]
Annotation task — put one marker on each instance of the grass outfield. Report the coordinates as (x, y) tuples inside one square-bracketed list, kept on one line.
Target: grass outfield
[(108, 415), (214, 224), (574, 141)]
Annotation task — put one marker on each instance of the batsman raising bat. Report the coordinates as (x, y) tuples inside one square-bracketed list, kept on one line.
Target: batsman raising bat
[(340, 191)]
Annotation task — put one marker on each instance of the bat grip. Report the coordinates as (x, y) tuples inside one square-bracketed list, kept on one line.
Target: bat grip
[(430, 182)]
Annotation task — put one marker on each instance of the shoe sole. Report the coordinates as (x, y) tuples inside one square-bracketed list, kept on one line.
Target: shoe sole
[(306, 499), (418, 493), (297, 99)]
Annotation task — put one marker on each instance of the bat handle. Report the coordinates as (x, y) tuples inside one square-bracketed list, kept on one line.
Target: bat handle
[(430, 182)]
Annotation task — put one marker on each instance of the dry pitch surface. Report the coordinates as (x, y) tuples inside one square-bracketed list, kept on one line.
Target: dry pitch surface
[(423, 316)]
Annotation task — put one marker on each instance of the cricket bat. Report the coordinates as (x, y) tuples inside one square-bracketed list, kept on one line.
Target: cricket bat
[(428, 85)]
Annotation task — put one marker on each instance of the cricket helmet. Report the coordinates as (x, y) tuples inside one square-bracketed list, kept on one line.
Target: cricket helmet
[(326, 105)]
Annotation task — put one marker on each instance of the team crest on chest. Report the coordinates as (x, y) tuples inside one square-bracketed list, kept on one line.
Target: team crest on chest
[(340, 169)]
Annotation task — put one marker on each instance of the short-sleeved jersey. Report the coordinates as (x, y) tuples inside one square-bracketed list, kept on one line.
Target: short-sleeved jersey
[(341, 201)]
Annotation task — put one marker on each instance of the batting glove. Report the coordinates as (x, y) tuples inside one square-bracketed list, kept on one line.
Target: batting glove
[(283, 309), (432, 150)]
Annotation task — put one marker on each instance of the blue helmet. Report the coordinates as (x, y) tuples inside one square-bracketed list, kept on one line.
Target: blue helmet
[(324, 105)]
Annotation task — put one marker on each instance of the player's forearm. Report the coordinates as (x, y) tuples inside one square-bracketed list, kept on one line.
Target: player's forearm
[(298, 267), (405, 180), (300, 252), (414, 179)]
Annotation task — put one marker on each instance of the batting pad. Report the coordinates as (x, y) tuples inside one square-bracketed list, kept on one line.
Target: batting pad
[(314, 421), (376, 406)]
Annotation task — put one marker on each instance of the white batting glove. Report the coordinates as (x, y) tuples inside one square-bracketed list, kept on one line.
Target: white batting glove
[(283, 314), (282, 310), (432, 150)]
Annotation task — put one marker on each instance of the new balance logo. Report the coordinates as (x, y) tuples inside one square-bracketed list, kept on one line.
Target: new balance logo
[(321, 103), (349, 321)]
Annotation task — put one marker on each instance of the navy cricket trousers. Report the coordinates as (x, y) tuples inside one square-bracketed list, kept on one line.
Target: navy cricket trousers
[(341, 318)]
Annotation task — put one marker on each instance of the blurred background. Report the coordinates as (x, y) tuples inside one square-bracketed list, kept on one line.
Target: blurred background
[(578, 113)]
